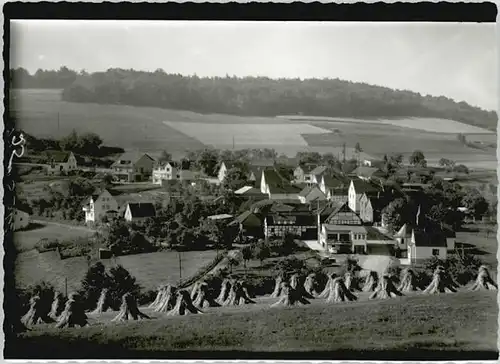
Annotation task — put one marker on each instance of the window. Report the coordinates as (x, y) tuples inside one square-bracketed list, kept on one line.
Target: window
[(435, 252)]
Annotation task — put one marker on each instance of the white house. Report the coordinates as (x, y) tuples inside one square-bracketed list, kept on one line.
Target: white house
[(133, 167), (99, 205), (165, 171), (357, 188), (21, 219), (140, 211), (424, 245), (61, 162)]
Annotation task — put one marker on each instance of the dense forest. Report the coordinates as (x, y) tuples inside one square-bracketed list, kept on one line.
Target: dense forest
[(255, 96)]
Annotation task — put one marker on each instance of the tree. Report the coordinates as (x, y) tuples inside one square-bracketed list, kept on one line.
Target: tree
[(357, 148), (121, 282), (208, 161), (262, 252), (475, 202), (417, 159), (88, 144), (235, 179), (308, 158), (93, 282), (398, 213), (70, 142), (461, 169), (165, 157), (447, 163)]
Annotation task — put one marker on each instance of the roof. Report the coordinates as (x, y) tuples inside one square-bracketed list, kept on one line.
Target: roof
[(339, 191), (57, 156), (130, 158), (144, 209), (164, 163), (332, 181), (367, 172), (429, 239), (299, 220), (375, 234), (318, 171), (249, 219), (273, 178), (378, 202), (364, 187), (404, 232), (187, 174), (308, 167), (307, 190), (448, 231), (285, 189), (261, 163)]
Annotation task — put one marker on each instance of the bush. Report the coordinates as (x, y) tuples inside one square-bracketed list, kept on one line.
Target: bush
[(46, 245), (291, 265), (44, 290), (462, 268), (92, 284), (121, 282), (146, 297)]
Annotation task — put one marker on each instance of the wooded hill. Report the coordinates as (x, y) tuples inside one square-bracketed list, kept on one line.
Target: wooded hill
[(251, 96)]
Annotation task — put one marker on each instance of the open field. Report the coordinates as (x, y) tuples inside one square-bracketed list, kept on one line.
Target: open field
[(412, 327), (150, 269), (152, 129), (434, 125)]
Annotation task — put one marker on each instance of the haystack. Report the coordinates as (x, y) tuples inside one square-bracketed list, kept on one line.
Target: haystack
[(73, 314), (339, 292), (103, 302), (484, 280), (310, 286), (195, 290), (371, 282), (167, 299), (37, 313), (183, 305), (237, 295), (57, 306), (129, 309), (294, 281), (328, 287), (277, 287), (224, 291), (409, 281), (204, 298), (290, 297), (441, 282), (351, 282), (159, 297), (385, 289)]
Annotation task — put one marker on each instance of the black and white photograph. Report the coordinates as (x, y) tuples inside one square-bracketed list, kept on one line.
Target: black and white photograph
[(242, 189)]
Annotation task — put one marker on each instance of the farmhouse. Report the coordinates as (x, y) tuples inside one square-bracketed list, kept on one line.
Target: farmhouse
[(317, 173), (60, 162), (225, 166), (311, 193), (357, 188), (303, 173), (277, 187), (334, 187), (424, 245), (296, 219), (21, 218), (370, 208), (250, 225), (100, 204), (136, 212), (165, 171), (133, 167)]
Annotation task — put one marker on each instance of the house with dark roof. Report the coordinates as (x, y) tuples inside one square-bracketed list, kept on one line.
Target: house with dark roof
[(317, 173), (426, 244), (100, 204), (250, 225), (311, 194), (276, 186), (139, 211), (60, 162), (290, 217), (357, 188), (371, 206), (335, 187), (133, 167)]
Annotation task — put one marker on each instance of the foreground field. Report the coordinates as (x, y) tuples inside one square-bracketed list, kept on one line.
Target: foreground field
[(413, 327), (150, 269), (42, 113)]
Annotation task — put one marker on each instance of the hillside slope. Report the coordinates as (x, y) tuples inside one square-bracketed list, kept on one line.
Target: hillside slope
[(258, 96)]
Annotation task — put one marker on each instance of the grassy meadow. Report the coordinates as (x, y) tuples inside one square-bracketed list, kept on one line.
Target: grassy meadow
[(411, 327), (153, 129)]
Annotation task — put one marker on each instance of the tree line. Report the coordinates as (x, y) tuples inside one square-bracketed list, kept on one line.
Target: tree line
[(249, 96)]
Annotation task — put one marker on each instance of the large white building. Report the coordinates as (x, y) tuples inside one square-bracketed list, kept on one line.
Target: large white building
[(100, 204)]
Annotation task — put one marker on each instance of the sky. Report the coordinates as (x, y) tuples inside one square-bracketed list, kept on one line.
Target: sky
[(455, 60)]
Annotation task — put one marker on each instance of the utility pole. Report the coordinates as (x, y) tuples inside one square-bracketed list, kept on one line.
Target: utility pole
[(233, 142), (58, 123), (66, 286), (180, 265)]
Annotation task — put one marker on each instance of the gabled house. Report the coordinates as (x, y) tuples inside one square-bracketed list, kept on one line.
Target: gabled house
[(296, 219), (357, 188), (317, 173), (335, 188), (310, 194), (250, 225), (371, 206), (60, 162), (100, 204), (165, 171), (133, 167), (424, 245), (251, 192), (368, 173), (136, 212), (303, 173), (224, 167), (277, 187)]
